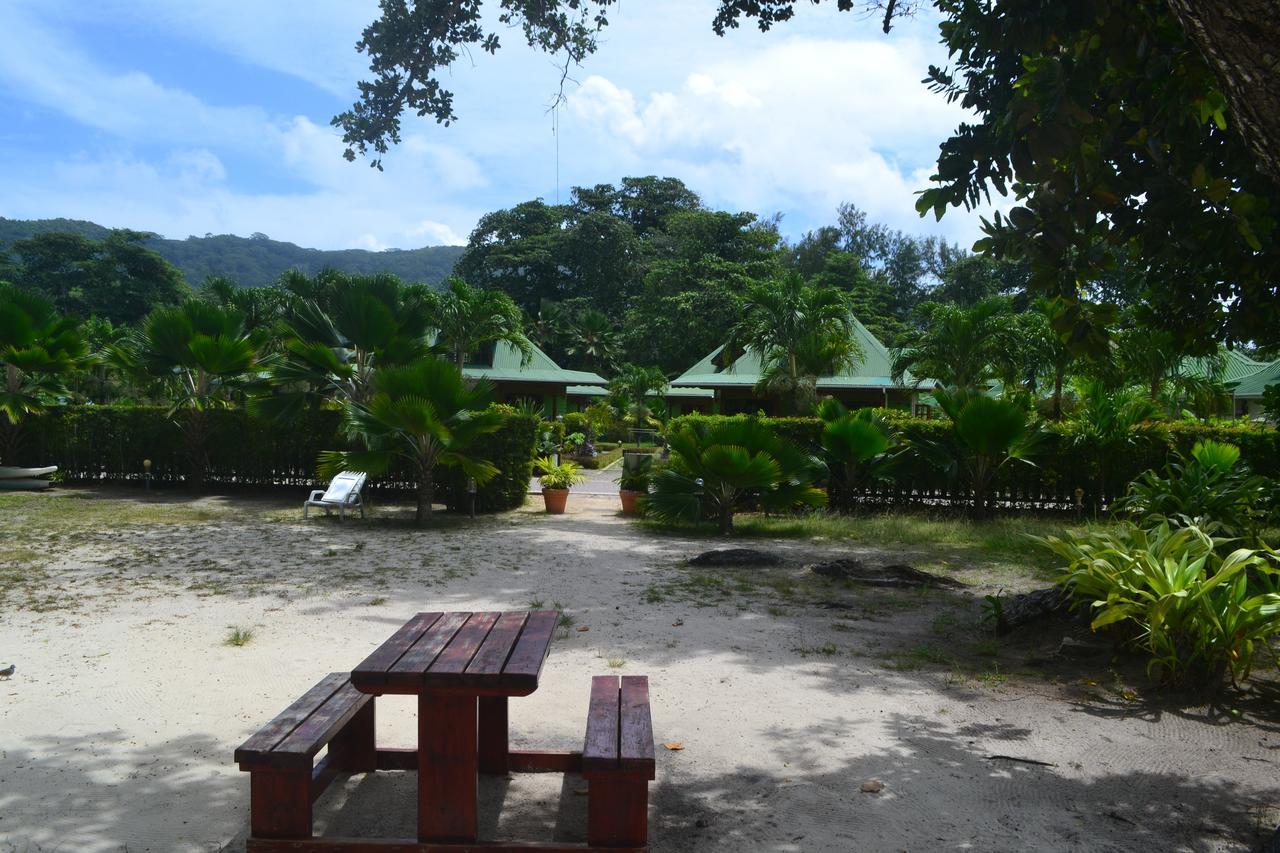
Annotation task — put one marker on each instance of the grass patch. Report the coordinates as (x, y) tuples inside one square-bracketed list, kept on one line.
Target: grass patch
[(616, 663), (238, 636), (917, 657)]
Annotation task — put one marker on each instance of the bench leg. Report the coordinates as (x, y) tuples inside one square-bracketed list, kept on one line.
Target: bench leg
[(493, 735), (280, 803), (354, 749), (617, 812)]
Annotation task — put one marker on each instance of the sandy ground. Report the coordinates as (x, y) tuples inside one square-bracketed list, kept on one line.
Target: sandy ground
[(786, 691)]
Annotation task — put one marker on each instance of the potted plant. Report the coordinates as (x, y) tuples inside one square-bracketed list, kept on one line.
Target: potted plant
[(557, 479), (634, 481)]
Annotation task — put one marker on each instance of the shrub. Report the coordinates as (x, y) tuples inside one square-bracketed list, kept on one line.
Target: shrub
[(717, 469), (1197, 614), (575, 422), (1209, 488)]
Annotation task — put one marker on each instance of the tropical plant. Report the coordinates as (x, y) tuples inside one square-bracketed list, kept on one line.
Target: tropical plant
[(337, 330), (637, 473), (1108, 425), (202, 357), (38, 349), (1198, 615), (557, 475), (467, 317), (986, 435), (1209, 489), (630, 392), (593, 339), (423, 414), (857, 446), (800, 333), (957, 347), (717, 469)]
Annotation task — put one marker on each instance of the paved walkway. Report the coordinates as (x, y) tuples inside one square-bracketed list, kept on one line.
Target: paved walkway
[(599, 482)]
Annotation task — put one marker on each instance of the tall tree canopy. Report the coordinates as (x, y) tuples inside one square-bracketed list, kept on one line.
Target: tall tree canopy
[(1143, 126)]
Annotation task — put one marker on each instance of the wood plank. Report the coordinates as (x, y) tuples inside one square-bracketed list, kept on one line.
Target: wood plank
[(497, 647), (406, 845), (543, 761), (453, 661), (493, 734), (447, 780), (280, 803), (617, 812), (373, 668), (316, 731), (265, 739), (525, 661), (635, 739), (418, 658), (600, 749)]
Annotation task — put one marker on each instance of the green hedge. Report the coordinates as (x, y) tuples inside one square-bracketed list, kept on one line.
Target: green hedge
[(107, 444), (1063, 465)]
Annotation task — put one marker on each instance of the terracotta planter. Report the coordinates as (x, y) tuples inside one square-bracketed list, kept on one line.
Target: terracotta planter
[(629, 499), (555, 499)]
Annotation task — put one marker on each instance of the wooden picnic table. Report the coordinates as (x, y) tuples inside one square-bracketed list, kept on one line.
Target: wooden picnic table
[(463, 666)]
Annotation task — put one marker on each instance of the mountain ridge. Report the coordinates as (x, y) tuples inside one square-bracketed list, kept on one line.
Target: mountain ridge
[(256, 260)]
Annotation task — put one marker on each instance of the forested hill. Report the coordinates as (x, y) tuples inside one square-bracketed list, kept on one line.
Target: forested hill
[(257, 260)]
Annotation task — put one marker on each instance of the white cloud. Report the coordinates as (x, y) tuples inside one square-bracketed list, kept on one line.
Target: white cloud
[(804, 124), (437, 233)]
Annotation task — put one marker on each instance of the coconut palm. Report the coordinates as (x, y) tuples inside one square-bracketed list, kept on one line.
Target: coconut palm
[(719, 469), (201, 353), (957, 347), (799, 332), (423, 414), (857, 446), (630, 390), (465, 317), (986, 435), (1108, 426), (38, 349), (337, 329)]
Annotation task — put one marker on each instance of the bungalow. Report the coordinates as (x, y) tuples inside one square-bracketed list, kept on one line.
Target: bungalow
[(541, 380), (867, 383), (1246, 397), (679, 401)]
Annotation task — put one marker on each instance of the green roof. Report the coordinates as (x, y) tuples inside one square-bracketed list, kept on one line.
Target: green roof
[(598, 391), (507, 368), (873, 371), (1254, 384), (1237, 366)]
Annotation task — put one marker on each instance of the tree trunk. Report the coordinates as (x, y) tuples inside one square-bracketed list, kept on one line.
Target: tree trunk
[(426, 494), (1240, 42), (726, 518), (1058, 376), (197, 433)]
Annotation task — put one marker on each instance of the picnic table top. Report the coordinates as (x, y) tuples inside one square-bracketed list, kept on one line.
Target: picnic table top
[(488, 653)]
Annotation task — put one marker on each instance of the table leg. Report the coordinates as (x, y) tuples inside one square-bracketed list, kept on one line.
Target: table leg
[(493, 735), (447, 784)]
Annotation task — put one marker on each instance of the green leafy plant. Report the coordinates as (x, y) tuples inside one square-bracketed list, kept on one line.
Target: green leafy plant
[(637, 473), (857, 446), (986, 435), (1198, 615), (574, 441), (557, 475), (718, 469), (1209, 488), (422, 414)]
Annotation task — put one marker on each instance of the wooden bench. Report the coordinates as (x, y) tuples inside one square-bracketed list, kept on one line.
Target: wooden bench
[(617, 761), (283, 783)]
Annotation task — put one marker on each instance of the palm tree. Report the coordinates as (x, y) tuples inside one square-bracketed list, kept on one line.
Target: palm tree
[(799, 332), (337, 329), (957, 347), (465, 317), (1108, 425), (593, 338), (423, 414), (857, 445), (203, 355), (736, 462), (630, 390), (38, 348), (986, 435)]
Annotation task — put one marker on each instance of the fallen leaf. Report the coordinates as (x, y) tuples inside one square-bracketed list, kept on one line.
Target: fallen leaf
[(581, 792), (677, 623), (872, 786), (674, 745), (583, 628)]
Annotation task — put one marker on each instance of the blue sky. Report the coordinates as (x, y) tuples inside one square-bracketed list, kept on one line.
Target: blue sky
[(213, 117)]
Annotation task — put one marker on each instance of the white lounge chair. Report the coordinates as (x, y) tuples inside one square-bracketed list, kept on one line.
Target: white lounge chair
[(343, 494)]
